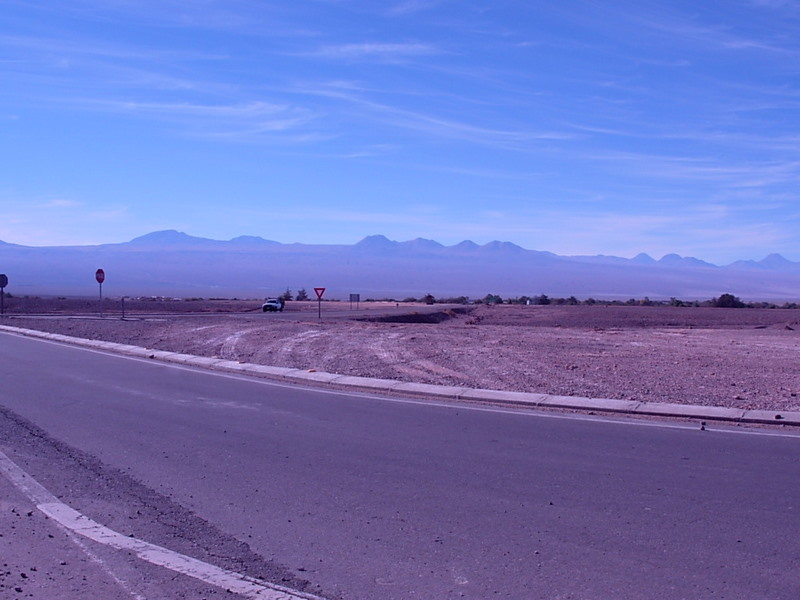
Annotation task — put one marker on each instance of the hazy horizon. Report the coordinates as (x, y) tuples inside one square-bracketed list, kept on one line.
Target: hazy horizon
[(175, 264), (169, 232)]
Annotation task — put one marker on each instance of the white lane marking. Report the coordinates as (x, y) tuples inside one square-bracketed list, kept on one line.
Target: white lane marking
[(24, 482), (103, 565), (72, 520), (40, 495)]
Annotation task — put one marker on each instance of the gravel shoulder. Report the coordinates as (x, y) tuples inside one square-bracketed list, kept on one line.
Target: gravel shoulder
[(738, 358)]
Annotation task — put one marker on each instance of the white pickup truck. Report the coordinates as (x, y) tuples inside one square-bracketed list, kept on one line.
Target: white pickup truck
[(272, 305)]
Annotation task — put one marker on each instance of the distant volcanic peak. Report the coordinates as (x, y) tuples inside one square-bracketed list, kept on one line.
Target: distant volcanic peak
[(776, 260), (497, 246), (687, 261), (376, 239), (251, 239), (671, 258), (375, 242), (423, 244), (467, 246), (772, 262), (168, 237), (748, 264), (644, 259)]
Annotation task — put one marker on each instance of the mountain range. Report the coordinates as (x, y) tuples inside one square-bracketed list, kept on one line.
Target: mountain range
[(171, 263)]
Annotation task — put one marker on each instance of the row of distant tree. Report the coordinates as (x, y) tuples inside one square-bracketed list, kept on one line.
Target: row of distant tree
[(301, 295), (723, 301)]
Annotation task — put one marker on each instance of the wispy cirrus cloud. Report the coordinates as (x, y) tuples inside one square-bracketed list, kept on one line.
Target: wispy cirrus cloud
[(245, 121), (231, 15), (433, 125), (731, 173), (60, 203), (374, 51), (682, 26), (67, 46), (410, 7), (78, 66)]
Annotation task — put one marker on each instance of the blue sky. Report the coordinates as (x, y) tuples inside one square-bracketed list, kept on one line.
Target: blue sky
[(578, 127)]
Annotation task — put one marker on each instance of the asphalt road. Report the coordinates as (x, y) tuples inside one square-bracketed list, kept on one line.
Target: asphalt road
[(370, 498)]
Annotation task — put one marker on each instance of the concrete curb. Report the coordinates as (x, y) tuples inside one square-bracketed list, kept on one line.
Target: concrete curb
[(365, 384)]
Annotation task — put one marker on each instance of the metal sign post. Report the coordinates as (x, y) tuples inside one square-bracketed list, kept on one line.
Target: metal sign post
[(319, 292), (3, 284), (100, 277)]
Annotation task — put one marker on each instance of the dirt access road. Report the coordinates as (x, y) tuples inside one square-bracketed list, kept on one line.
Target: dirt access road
[(742, 358)]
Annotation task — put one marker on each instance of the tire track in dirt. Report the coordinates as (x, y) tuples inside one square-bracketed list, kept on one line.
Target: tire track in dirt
[(393, 351), (296, 348), (228, 348)]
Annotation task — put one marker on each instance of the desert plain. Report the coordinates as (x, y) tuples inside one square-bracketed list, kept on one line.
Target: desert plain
[(745, 358)]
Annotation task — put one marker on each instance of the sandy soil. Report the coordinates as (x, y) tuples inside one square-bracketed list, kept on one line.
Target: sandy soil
[(744, 358)]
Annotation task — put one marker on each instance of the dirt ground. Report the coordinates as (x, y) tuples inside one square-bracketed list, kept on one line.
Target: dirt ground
[(743, 358)]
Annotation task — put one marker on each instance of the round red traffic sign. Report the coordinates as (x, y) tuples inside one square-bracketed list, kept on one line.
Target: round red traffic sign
[(100, 275)]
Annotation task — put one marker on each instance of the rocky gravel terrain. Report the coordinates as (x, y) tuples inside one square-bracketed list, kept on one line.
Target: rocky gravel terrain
[(743, 358)]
